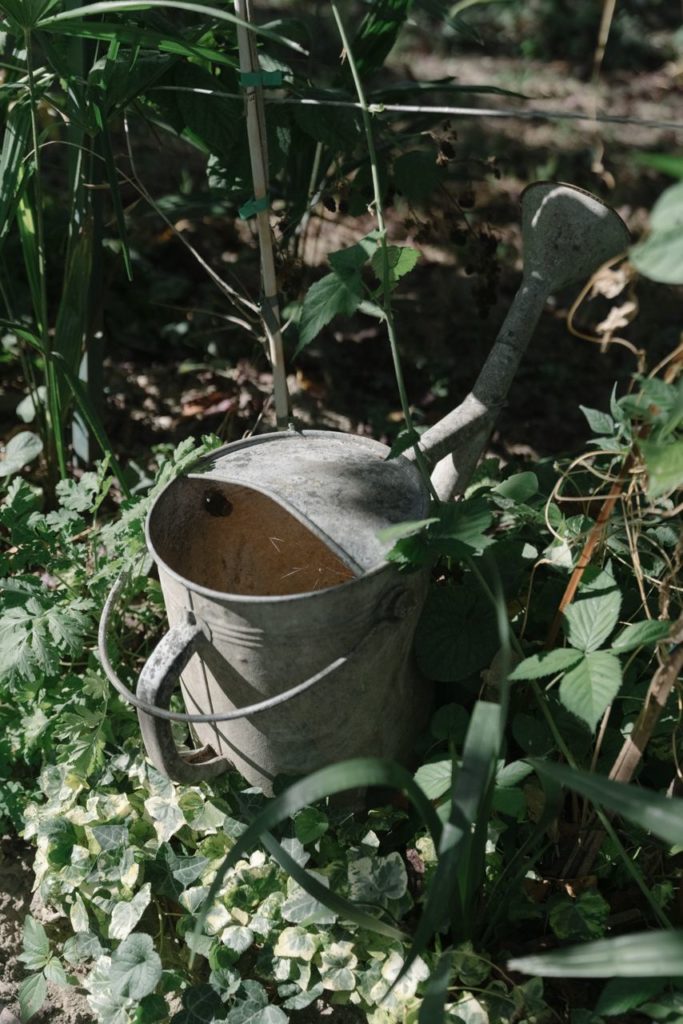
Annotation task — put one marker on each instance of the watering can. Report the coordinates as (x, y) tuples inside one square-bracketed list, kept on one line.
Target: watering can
[(290, 634)]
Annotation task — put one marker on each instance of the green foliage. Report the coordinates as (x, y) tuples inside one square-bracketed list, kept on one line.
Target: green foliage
[(660, 256)]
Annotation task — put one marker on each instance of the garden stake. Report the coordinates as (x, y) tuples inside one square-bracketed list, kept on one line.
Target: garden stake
[(282, 605), (258, 153)]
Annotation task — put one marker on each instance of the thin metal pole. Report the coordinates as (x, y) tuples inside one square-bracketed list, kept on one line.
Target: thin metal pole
[(258, 152)]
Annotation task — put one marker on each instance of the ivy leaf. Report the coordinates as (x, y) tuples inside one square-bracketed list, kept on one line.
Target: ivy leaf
[(166, 815), (594, 614), (377, 879), (400, 260), (296, 943), (153, 1009), (201, 1003), (126, 915), (254, 1008), (302, 908), (32, 995), (337, 963), (641, 634), (326, 298), (546, 663), (81, 947), (310, 824), (135, 967), (21, 449), (591, 686), (583, 918)]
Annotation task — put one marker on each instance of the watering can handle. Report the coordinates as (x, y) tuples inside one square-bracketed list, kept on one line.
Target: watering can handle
[(161, 674)]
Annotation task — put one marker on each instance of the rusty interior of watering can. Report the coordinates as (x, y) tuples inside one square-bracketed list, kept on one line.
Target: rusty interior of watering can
[(236, 539)]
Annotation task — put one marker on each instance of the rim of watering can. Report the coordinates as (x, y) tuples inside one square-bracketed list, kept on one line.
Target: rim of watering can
[(198, 588)]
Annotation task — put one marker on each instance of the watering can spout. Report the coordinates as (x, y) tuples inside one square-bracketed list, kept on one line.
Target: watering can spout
[(567, 234)]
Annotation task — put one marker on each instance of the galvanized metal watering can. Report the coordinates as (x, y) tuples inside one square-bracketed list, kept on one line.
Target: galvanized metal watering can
[(290, 634)]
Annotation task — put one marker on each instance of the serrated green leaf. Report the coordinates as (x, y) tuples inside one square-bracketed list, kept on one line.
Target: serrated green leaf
[(643, 954), (400, 260), (32, 995), (651, 811), (135, 967), (326, 298), (664, 463), (55, 973), (594, 614), (347, 262), (416, 174), (591, 686), (36, 945), (547, 663), (457, 634), (640, 634)]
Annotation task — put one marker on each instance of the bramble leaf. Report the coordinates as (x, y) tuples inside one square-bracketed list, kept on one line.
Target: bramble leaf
[(546, 663), (326, 298), (591, 686)]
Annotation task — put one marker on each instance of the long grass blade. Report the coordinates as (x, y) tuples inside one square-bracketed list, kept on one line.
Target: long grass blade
[(455, 884), (642, 955), (436, 992), (109, 32), (123, 6), (89, 414), (345, 908), (15, 143), (655, 813)]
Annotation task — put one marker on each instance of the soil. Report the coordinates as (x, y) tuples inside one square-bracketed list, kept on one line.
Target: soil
[(63, 1006)]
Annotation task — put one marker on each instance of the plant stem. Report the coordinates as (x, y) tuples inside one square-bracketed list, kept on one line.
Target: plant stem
[(381, 225), (54, 440)]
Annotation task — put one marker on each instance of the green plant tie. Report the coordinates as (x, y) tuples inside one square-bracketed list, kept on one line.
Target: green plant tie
[(253, 206), (267, 79)]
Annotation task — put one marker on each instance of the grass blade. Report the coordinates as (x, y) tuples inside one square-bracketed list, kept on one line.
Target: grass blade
[(457, 879), (123, 6), (657, 814), (345, 908), (642, 955), (14, 148), (436, 992)]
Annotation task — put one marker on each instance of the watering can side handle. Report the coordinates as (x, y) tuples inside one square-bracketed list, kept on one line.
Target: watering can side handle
[(161, 674)]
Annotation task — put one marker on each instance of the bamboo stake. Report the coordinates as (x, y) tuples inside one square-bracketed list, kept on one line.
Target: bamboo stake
[(258, 152)]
